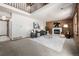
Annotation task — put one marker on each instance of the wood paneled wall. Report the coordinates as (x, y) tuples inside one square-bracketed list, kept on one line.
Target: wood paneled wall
[(62, 22), (76, 26)]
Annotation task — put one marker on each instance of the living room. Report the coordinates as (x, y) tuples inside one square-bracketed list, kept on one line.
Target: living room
[(50, 27)]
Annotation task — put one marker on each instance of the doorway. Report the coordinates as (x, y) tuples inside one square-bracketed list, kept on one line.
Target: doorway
[(4, 30)]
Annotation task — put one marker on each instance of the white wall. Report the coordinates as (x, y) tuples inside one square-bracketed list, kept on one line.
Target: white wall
[(4, 14), (21, 25), (21, 22)]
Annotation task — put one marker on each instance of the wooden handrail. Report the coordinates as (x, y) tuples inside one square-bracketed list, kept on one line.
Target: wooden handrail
[(24, 6)]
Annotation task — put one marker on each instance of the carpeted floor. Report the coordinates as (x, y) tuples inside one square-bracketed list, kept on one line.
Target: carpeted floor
[(27, 47)]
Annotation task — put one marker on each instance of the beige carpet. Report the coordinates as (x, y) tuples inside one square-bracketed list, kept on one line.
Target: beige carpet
[(55, 42)]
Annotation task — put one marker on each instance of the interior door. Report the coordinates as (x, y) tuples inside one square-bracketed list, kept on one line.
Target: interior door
[(3, 28)]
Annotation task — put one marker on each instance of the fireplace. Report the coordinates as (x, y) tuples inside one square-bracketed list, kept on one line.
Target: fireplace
[(56, 30)]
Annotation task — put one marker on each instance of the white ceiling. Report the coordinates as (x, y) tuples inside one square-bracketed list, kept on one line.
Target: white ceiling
[(54, 11)]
